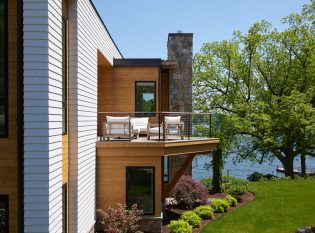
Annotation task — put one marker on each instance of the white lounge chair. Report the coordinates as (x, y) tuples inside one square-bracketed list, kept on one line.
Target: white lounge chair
[(173, 127), (118, 127), (140, 125)]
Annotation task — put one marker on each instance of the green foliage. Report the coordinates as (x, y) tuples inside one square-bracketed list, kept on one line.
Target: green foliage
[(179, 226), (204, 211), (236, 190), (231, 200), (192, 218), (256, 176), (207, 182), (234, 187), (217, 166), (220, 205), (262, 85)]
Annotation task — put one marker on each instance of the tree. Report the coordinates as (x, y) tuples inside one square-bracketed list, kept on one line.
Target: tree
[(263, 82), (217, 164)]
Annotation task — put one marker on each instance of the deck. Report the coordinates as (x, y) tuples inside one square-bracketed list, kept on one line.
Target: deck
[(172, 146)]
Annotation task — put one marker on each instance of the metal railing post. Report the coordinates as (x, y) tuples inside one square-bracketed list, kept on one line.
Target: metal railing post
[(159, 125), (163, 127)]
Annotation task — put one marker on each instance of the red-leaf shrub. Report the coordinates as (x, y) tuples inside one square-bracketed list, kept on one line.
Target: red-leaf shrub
[(120, 219), (189, 193)]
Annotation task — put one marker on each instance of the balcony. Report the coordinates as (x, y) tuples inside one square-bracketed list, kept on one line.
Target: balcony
[(173, 132)]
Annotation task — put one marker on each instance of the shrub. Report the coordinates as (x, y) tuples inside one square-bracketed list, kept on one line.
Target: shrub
[(192, 218), (179, 226), (236, 190), (274, 178), (204, 211), (220, 205), (207, 182), (231, 200), (120, 220), (256, 176), (189, 193)]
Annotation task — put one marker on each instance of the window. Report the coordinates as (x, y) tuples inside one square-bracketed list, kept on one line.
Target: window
[(166, 169), (64, 76), (64, 207), (4, 214), (145, 96), (3, 69), (140, 188)]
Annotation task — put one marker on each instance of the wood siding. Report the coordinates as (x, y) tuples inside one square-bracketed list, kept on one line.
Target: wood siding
[(116, 90), (111, 175), (8, 146)]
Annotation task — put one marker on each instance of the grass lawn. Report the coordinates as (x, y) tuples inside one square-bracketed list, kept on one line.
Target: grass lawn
[(279, 206)]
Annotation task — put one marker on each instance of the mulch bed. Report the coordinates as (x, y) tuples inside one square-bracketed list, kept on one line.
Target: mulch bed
[(174, 214)]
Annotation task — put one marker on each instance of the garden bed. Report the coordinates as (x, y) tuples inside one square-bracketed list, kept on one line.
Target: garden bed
[(174, 213)]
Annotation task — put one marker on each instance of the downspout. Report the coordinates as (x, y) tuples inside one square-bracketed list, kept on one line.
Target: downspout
[(20, 116)]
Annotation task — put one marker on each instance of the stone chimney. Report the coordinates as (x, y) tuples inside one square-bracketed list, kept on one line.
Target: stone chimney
[(180, 49)]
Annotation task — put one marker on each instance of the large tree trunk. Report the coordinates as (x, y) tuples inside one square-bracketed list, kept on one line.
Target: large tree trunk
[(288, 166), (303, 164)]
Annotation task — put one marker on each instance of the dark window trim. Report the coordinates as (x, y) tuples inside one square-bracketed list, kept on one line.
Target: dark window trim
[(143, 167), (5, 199), (168, 169), (65, 207), (6, 63), (150, 81)]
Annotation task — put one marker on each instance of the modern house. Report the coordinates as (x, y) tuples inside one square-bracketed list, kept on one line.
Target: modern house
[(83, 128)]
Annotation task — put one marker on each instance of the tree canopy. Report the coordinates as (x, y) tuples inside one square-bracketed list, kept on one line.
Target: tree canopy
[(263, 85)]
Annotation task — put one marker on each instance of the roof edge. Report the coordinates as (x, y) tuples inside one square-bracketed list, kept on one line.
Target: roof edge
[(100, 18), (138, 62)]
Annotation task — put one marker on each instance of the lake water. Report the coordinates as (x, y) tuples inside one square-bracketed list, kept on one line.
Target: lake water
[(245, 168)]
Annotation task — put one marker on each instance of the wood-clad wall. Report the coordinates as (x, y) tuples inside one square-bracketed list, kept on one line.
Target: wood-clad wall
[(111, 175), (116, 87), (8, 146)]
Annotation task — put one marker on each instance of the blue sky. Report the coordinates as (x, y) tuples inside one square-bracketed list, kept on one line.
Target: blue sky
[(140, 27)]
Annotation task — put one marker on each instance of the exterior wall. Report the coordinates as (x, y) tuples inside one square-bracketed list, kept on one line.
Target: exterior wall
[(8, 146), (116, 89), (87, 36), (43, 115), (111, 169), (44, 147)]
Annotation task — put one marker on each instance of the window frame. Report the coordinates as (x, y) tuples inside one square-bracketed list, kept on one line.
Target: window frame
[(5, 199), (147, 113), (4, 101), (153, 191), (166, 177)]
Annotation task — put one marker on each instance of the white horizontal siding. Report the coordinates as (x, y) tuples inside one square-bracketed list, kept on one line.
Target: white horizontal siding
[(87, 37), (42, 121)]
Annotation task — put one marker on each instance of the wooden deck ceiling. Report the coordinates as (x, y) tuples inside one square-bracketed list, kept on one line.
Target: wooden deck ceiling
[(170, 147)]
